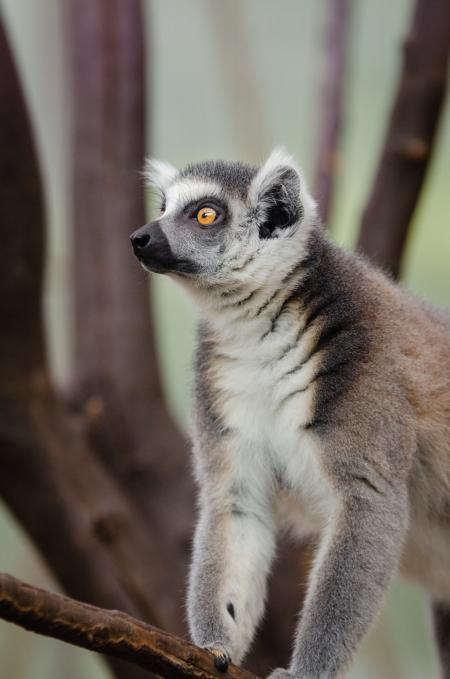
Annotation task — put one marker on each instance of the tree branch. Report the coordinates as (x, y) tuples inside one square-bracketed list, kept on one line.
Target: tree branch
[(410, 135), (109, 632), (21, 230), (331, 103), (96, 543), (118, 384)]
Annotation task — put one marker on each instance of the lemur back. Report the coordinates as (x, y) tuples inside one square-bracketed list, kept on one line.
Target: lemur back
[(322, 402)]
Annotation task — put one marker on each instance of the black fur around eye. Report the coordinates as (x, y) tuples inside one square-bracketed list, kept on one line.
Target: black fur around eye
[(210, 205)]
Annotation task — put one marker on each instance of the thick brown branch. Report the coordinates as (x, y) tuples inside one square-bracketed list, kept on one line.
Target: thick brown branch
[(116, 364), (114, 345), (110, 632), (410, 135), (21, 231), (331, 104)]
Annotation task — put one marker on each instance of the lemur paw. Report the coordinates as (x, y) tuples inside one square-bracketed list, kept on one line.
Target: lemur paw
[(221, 656)]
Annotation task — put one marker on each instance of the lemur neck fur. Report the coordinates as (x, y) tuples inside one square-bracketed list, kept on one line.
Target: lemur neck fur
[(258, 306)]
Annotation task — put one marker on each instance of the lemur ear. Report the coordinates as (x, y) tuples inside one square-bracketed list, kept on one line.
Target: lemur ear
[(274, 193), (159, 174)]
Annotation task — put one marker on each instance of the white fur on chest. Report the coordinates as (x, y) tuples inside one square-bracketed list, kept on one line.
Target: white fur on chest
[(269, 427)]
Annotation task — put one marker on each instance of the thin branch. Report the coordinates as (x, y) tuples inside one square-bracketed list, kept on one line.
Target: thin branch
[(410, 135), (109, 632), (331, 104)]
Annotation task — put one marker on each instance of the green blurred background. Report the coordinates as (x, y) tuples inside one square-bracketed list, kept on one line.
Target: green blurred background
[(228, 79)]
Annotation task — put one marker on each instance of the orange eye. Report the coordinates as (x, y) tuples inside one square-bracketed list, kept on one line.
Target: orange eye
[(206, 215)]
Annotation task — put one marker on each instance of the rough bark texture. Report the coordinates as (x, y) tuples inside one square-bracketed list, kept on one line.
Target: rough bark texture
[(331, 103), (109, 632), (410, 136)]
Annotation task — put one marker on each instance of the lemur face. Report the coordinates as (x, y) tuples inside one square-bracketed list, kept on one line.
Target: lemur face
[(218, 217)]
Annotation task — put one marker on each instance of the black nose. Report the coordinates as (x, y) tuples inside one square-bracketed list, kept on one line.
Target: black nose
[(140, 239)]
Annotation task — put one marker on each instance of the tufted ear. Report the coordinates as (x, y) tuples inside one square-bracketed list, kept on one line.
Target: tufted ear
[(159, 174), (274, 193)]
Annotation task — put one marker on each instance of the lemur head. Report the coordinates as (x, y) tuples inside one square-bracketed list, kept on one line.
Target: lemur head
[(223, 223)]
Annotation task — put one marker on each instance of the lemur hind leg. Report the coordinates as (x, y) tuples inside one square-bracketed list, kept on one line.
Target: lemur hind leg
[(441, 621)]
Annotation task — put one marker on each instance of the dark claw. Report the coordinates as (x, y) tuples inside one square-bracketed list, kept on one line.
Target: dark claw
[(221, 662)]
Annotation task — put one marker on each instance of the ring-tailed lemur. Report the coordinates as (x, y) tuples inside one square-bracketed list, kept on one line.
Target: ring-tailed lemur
[(320, 386)]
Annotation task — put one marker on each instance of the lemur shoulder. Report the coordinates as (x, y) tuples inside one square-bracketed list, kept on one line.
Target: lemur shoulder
[(322, 403)]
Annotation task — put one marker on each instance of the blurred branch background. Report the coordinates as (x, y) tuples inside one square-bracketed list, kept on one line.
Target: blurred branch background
[(103, 79)]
